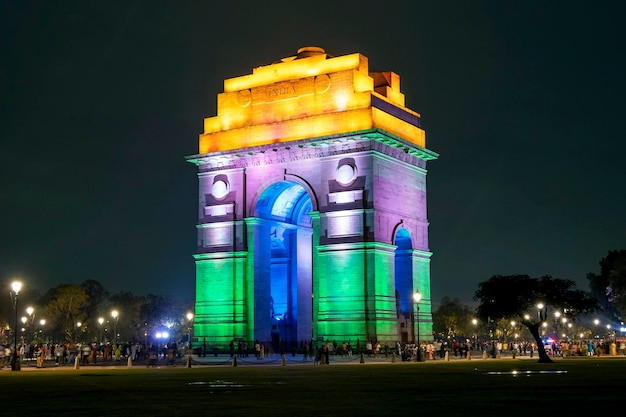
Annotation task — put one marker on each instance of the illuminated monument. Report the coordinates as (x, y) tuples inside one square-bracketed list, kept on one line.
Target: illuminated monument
[(312, 210)]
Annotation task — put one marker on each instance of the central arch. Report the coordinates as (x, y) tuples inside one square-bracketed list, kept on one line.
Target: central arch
[(283, 210)]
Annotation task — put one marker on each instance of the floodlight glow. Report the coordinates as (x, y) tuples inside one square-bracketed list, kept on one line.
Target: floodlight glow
[(162, 335)]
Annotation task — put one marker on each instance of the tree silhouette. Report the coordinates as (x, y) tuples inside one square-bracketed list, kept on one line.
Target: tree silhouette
[(609, 288), (527, 301)]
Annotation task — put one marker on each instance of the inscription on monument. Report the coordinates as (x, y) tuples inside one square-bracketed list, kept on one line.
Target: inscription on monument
[(283, 90)]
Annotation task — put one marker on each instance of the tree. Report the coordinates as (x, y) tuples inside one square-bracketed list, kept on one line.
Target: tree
[(64, 309), (527, 300), (96, 295), (452, 318), (609, 288)]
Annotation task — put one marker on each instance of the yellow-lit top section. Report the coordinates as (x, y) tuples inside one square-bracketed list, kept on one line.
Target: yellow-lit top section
[(308, 95)]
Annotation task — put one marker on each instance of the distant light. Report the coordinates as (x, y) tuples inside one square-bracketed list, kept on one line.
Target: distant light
[(16, 286)]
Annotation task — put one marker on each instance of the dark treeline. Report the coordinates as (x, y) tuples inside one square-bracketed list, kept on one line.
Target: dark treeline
[(87, 312)]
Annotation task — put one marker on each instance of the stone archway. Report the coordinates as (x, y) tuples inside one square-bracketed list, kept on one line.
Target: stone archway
[(403, 271), (283, 210)]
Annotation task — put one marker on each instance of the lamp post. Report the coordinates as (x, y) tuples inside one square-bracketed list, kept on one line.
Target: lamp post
[(475, 323), (557, 316), (417, 297), (100, 321), (43, 323), (31, 314), (189, 327), (24, 320), (16, 286), (115, 316)]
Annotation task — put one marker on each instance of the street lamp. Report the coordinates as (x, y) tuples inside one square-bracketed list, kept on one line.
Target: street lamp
[(115, 316), (78, 324), (542, 311), (417, 297), (43, 323), (16, 286), (24, 320), (31, 314), (557, 315), (100, 321), (475, 323), (190, 325)]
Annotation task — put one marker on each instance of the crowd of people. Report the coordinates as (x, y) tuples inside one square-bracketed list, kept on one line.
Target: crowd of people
[(87, 353)]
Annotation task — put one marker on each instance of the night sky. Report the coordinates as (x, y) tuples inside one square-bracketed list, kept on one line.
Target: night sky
[(102, 100)]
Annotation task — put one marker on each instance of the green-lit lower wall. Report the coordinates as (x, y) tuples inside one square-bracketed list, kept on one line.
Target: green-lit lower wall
[(220, 314), (354, 293), (421, 281)]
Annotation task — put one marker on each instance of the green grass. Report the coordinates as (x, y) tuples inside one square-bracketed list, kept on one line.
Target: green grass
[(435, 388)]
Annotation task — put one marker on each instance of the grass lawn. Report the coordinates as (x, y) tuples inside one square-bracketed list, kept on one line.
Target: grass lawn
[(425, 389)]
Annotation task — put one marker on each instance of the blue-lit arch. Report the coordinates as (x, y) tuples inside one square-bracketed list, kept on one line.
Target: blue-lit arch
[(285, 207), (285, 201), (404, 276)]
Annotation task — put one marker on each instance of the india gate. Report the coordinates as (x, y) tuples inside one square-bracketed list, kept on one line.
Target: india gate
[(312, 220)]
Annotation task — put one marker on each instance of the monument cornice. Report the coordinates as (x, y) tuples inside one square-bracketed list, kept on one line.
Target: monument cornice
[(305, 149)]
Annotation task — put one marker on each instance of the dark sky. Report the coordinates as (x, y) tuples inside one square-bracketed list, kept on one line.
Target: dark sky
[(101, 101)]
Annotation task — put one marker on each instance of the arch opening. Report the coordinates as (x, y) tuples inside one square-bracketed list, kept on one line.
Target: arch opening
[(404, 284), (285, 271)]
